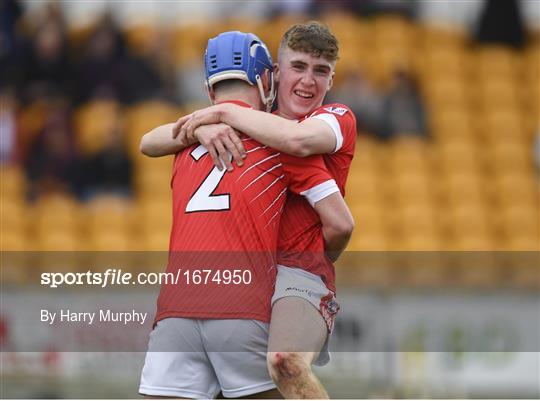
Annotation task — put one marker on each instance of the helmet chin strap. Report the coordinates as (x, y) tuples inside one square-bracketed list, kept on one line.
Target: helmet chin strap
[(267, 100)]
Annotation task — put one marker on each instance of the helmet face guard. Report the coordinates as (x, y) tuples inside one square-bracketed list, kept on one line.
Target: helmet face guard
[(238, 55)]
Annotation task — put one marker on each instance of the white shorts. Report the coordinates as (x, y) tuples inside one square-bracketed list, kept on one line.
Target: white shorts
[(296, 282), (198, 358)]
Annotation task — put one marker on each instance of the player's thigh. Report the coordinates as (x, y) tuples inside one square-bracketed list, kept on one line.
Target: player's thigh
[(176, 364), (296, 326), (237, 349)]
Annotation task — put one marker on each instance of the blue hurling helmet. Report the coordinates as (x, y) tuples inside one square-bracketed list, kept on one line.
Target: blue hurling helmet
[(238, 55)]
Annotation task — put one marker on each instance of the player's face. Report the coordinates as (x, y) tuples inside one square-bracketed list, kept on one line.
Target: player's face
[(303, 82)]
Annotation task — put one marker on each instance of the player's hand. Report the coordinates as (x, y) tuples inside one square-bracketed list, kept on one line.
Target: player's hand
[(178, 126), (207, 116), (221, 140)]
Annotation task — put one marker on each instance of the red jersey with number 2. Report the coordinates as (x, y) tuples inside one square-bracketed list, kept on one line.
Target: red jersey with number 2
[(225, 229), (301, 243)]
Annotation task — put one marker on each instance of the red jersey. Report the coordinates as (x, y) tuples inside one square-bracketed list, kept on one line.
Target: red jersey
[(301, 243), (225, 229)]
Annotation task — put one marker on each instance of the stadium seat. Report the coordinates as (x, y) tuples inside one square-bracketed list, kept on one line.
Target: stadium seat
[(512, 154), (441, 64), (411, 187), (496, 94), (155, 239), (451, 93), (15, 239), (510, 188), (448, 38), (57, 211), (408, 153), (57, 240), (498, 62), (110, 241), (110, 224), (468, 222), (188, 40), (13, 183), (388, 29), (519, 221), (457, 158), (155, 182), (154, 214), (453, 122), (500, 125), (373, 241), (91, 132), (145, 116), (13, 215)]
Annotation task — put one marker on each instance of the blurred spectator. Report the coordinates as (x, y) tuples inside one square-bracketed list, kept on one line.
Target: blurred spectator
[(501, 23), (107, 69), (109, 171), (287, 8), (139, 80), (47, 67), (10, 41), (8, 126), (402, 108), (364, 100), (161, 57), (99, 71), (51, 161), (148, 70)]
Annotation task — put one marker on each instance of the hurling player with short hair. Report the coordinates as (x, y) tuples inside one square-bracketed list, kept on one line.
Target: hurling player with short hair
[(212, 338), (304, 296)]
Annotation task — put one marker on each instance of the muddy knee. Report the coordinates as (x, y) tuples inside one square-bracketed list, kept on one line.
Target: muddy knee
[(286, 366)]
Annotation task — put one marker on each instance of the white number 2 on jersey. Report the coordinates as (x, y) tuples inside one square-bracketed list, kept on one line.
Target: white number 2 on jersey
[(203, 200)]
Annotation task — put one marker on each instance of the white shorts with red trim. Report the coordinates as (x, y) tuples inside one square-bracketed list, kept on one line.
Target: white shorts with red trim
[(198, 358), (296, 282)]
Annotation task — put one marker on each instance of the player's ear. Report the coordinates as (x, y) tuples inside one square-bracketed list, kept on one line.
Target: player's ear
[(211, 93), (331, 81)]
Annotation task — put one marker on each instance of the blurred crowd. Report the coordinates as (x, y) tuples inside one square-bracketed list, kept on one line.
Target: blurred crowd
[(45, 72), (49, 73)]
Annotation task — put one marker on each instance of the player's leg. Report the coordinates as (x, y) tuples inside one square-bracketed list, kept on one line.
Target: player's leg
[(176, 365), (237, 349), (298, 333)]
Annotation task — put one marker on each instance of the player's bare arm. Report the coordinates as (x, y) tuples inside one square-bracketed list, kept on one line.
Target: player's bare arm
[(337, 224), (312, 136), (159, 142)]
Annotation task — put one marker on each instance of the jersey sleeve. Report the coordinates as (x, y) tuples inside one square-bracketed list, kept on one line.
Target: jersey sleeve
[(342, 121), (308, 177)]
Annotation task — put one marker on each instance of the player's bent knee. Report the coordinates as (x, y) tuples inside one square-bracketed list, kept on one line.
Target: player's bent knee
[(286, 366)]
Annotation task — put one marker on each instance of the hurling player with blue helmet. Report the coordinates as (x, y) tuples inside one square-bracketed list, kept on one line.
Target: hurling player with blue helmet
[(212, 338)]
